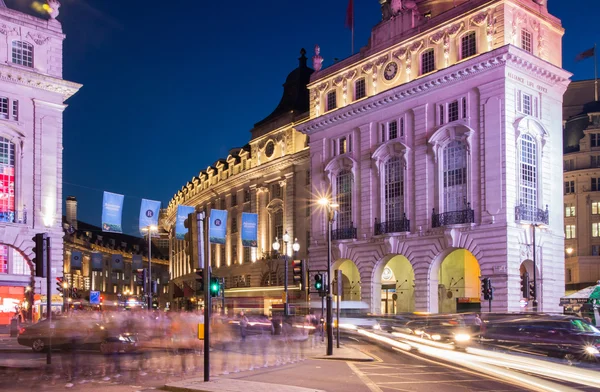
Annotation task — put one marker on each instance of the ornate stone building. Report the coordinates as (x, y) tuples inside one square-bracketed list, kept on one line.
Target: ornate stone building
[(441, 142), (32, 96), (269, 176)]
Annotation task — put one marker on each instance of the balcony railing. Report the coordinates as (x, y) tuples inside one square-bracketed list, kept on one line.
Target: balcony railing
[(346, 233), (453, 217), (17, 216), (532, 214), (395, 226)]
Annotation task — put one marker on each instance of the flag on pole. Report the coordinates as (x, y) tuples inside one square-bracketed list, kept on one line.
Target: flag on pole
[(350, 15), (586, 54)]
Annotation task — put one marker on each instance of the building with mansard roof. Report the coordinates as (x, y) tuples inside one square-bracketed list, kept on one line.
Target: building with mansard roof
[(268, 176), (441, 142)]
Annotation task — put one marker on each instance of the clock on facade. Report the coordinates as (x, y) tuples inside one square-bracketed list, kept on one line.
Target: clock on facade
[(270, 148), (390, 71)]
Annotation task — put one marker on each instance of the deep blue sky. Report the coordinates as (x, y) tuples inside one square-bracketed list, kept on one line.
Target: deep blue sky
[(171, 86)]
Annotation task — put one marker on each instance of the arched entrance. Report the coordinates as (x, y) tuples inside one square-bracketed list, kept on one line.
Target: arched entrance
[(526, 271), (350, 280), (393, 286), (458, 282)]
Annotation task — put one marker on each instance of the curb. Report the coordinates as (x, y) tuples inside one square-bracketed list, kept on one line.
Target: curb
[(346, 359)]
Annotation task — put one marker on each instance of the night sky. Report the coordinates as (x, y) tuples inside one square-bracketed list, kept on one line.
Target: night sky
[(171, 86)]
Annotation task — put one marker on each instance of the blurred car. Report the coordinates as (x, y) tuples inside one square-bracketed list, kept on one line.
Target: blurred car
[(451, 329), (257, 325), (65, 333), (554, 336)]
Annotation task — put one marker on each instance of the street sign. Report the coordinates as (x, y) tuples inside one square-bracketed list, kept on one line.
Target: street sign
[(95, 297)]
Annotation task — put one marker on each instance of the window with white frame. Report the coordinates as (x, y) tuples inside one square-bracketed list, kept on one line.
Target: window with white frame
[(595, 185), (18, 264), (454, 176), (360, 89), (344, 183), (468, 45), (453, 111), (569, 187), (15, 110), (594, 139), (570, 232), (595, 207), (3, 259), (4, 107), (527, 104), (595, 229), (526, 41), (342, 145), (392, 130), (402, 127), (7, 180), (528, 192), (22, 53), (569, 211), (331, 100), (394, 189), (427, 61)]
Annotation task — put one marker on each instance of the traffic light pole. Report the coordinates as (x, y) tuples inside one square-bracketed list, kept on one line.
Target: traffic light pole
[(49, 300), (535, 301), (329, 296), (149, 292), (202, 221)]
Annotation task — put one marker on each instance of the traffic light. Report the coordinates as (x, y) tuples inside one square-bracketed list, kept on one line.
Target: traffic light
[(191, 238), (140, 277), (75, 292), (60, 285), (299, 272), (319, 282), (532, 290), (199, 280), (41, 257), (525, 285), (214, 287), (486, 289)]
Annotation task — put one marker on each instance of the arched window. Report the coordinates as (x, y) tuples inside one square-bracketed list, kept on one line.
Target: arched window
[(344, 185), (468, 45), (455, 176), (394, 190), (7, 180), (22, 53), (528, 176), (427, 61)]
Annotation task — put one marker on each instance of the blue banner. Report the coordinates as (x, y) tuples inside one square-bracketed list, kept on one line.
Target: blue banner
[(112, 208), (136, 262), (217, 229), (182, 214), (249, 229), (96, 262), (117, 262), (76, 260), (149, 214)]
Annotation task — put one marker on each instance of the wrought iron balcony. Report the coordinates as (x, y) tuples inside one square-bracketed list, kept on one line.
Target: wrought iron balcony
[(395, 226), (532, 214), (346, 233), (453, 217), (13, 216)]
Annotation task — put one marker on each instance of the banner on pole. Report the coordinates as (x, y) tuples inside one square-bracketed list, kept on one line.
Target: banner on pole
[(136, 262), (76, 260), (96, 262), (182, 214), (217, 229), (149, 214), (112, 209), (117, 262), (249, 229)]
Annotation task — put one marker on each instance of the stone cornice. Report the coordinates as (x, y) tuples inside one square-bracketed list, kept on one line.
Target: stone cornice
[(454, 74), (35, 80)]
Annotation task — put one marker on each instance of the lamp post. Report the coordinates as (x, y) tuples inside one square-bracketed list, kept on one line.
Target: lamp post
[(296, 248), (330, 209), (535, 301), (149, 230)]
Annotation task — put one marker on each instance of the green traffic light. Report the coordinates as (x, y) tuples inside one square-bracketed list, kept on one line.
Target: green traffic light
[(318, 285)]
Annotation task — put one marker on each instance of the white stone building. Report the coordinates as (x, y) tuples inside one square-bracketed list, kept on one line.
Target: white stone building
[(441, 141), (32, 96)]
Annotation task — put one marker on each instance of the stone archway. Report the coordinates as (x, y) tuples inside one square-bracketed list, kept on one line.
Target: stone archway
[(526, 267), (394, 285), (351, 281), (455, 283)]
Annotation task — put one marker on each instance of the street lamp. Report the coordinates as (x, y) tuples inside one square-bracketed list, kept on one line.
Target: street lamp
[(295, 248), (330, 208), (150, 229)]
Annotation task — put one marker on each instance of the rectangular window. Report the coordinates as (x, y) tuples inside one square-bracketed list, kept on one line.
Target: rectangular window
[(3, 107), (22, 53), (234, 254), (442, 118), (595, 207), (402, 127), (595, 184), (464, 107), (595, 140), (331, 100), (569, 164), (453, 111), (526, 40), (392, 130), (275, 191), (247, 196), (342, 145), (468, 45), (234, 199), (223, 204), (595, 250), (526, 105), (427, 62), (570, 231), (360, 90), (382, 133), (234, 227), (15, 110), (247, 254), (595, 229), (569, 276), (570, 187), (569, 211)]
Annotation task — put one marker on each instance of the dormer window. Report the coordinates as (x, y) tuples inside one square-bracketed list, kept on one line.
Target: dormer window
[(526, 41), (468, 45), (331, 100), (22, 53), (360, 89), (427, 61)]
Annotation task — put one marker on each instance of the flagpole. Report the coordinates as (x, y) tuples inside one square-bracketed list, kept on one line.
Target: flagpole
[(353, 42), (596, 72)]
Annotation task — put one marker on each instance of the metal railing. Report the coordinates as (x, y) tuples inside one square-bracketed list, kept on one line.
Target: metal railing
[(453, 217), (532, 214), (17, 216), (395, 226), (346, 233)]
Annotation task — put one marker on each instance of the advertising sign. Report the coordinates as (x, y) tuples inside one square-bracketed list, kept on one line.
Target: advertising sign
[(117, 262), (182, 214), (112, 209), (249, 229), (96, 262), (76, 260), (149, 214), (136, 262), (217, 226)]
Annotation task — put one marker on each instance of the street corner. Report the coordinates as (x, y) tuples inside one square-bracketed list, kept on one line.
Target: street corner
[(347, 353), (231, 385)]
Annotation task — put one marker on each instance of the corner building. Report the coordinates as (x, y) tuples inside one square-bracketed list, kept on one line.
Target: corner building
[(441, 142)]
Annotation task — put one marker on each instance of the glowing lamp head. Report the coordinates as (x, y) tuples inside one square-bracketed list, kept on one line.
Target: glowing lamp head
[(286, 237)]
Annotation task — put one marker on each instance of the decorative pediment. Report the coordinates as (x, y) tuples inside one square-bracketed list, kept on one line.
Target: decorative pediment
[(389, 149), (38, 38), (447, 134)]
